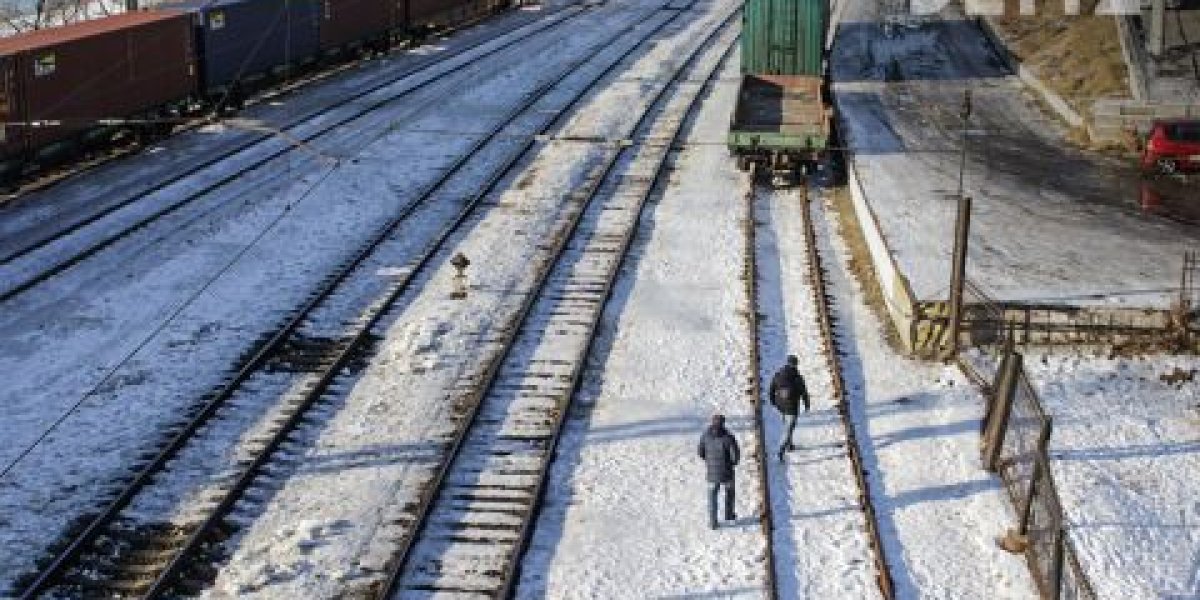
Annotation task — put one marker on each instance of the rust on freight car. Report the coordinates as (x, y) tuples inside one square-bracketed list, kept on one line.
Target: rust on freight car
[(427, 15), (353, 22), (55, 83)]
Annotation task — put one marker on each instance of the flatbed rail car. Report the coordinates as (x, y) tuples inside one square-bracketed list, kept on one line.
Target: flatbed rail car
[(779, 122)]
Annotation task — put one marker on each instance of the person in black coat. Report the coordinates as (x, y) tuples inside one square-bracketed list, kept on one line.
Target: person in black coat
[(787, 390), (720, 452)]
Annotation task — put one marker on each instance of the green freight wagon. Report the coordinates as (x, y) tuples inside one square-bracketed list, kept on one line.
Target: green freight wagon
[(784, 37), (780, 121)]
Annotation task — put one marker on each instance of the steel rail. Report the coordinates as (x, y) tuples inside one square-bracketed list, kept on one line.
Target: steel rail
[(821, 299), (487, 380), (750, 279), (513, 573), (224, 180), (44, 178), (272, 347)]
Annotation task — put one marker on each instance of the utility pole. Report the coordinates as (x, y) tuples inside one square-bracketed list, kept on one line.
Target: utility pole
[(131, 5), (966, 120), (962, 231), (958, 271)]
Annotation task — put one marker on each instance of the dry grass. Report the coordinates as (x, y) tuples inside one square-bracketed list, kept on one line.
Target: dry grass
[(861, 266), (1078, 56)]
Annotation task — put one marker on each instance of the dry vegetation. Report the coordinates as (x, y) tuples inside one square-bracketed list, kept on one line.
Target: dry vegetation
[(861, 265), (1079, 56)]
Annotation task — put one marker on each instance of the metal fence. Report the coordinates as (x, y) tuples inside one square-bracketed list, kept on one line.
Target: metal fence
[(986, 323), (1015, 435)]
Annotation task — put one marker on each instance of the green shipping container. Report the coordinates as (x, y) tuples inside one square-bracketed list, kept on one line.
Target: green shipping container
[(783, 37)]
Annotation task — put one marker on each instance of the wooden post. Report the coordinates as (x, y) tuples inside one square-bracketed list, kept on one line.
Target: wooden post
[(958, 273), (998, 424), (994, 391), (1017, 540)]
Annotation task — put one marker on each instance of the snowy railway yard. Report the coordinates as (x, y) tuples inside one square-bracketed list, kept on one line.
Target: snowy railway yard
[(241, 363)]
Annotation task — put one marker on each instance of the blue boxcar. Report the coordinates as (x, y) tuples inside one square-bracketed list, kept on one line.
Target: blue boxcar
[(240, 40)]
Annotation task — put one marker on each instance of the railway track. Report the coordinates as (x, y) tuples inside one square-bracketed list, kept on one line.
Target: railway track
[(755, 387), (474, 522), (56, 252), (154, 537), (816, 276)]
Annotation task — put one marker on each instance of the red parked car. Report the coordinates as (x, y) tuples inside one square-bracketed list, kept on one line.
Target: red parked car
[(1172, 146)]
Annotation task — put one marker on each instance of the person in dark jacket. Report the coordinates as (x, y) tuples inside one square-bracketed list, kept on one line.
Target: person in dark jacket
[(720, 452), (787, 390)]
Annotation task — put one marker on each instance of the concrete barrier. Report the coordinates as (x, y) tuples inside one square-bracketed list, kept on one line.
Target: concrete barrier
[(1134, 53), (898, 298)]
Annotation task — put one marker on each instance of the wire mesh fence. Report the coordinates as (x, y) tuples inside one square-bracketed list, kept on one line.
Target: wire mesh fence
[(986, 323), (1016, 434), (982, 331), (1021, 442)]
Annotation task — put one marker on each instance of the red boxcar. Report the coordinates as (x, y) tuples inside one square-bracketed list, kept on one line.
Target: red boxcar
[(127, 65), (346, 23)]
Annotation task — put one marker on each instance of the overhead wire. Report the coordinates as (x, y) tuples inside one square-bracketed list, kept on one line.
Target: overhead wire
[(191, 299)]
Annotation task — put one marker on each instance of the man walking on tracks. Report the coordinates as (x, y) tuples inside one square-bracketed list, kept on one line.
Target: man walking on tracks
[(787, 389), (719, 449)]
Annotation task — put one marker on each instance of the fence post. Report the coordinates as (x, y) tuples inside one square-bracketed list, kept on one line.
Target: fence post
[(998, 424), (989, 407), (1017, 540), (958, 273)]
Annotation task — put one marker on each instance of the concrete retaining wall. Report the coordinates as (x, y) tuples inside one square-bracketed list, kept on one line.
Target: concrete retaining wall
[(1113, 119), (1056, 102), (923, 325), (898, 297), (1134, 54)]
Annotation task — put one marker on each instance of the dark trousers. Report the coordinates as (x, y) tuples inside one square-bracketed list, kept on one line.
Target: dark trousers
[(789, 421), (713, 487)]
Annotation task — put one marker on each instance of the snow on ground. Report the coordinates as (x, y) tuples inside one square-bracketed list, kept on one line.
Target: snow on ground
[(625, 510), (378, 447), (918, 424), (218, 281), (37, 215), (1125, 451), (821, 545), (900, 97)]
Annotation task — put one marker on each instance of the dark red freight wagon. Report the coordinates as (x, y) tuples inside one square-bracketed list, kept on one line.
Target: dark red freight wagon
[(355, 23), (58, 84), (429, 15)]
